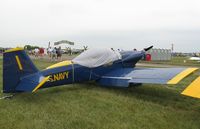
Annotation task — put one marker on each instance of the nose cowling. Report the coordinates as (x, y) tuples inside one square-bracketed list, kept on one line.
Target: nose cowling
[(133, 58)]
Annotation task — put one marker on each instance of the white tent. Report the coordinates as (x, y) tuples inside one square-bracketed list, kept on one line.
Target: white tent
[(97, 57)]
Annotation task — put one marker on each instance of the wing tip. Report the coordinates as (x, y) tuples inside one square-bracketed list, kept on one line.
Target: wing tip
[(181, 75)]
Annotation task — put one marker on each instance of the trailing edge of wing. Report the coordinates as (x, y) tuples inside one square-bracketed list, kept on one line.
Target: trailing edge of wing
[(193, 90)]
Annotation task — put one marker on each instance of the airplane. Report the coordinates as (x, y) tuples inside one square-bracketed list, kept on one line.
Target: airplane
[(195, 59), (106, 67)]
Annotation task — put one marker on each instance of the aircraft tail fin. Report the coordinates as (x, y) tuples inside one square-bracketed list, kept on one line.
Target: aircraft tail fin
[(16, 65)]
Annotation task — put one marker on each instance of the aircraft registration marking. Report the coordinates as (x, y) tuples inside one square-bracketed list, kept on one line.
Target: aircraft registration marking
[(59, 76)]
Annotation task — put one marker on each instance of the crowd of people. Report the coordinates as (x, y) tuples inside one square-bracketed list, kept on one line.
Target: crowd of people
[(54, 54), (39, 52)]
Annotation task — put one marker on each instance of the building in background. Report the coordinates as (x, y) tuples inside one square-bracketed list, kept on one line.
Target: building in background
[(159, 55)]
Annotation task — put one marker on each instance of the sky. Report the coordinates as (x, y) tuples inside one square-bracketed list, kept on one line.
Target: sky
[(124, 24)]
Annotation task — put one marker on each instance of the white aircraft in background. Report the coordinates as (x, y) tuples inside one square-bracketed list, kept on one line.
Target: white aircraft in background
[(195, 58)]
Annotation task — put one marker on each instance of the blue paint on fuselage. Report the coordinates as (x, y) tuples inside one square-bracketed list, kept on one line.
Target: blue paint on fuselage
[(130, 58), (76, 73)]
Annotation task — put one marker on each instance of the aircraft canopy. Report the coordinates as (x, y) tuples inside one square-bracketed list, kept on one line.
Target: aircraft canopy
[(97, 57)]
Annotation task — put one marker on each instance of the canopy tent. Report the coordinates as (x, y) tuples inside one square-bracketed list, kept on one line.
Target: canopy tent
[(96, 57), (64, 42)]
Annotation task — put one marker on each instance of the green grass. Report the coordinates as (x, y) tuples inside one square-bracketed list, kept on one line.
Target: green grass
[(89, 106), (179, 61)]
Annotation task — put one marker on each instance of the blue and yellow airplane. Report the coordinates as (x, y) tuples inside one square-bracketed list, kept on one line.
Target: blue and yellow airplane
[(104, 66)]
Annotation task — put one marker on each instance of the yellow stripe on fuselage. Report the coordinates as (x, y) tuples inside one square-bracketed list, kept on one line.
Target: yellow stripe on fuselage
[(181, 75), (193, 89), (41, 83), (18, 62), (60, 64)]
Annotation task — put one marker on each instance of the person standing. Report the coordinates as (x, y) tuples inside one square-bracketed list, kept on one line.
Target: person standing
[(49, 51), (53, 56), (59, 54), (41, 52), (36, 51)]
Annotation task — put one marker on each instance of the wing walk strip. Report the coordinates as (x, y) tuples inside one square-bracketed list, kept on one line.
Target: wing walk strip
[(193, 90), (182, 75), (41, 84)]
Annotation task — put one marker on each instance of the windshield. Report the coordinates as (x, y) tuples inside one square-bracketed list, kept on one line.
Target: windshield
[(96, 57)]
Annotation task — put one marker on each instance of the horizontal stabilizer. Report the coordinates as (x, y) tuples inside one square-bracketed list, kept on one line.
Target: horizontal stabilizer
[(193, 90), (31, 83)]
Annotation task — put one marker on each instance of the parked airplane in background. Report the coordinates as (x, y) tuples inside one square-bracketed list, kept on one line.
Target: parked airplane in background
[(104, 66), (195, 58)]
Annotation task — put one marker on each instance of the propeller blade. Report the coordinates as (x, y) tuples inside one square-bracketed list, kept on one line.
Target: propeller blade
[(146, 49)]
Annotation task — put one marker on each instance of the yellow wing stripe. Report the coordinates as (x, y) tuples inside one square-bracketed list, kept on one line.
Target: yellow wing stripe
[(41, 84), (193, 89), (181, 75), (19, 63), (14, 49)]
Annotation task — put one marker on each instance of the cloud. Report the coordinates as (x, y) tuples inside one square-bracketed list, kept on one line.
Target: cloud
[(42, 20)]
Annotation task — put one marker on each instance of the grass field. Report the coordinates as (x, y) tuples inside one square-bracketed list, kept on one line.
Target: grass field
[(179, 61), (89, 106)]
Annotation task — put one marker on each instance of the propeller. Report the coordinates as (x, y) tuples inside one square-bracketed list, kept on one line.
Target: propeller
[(146, 49)]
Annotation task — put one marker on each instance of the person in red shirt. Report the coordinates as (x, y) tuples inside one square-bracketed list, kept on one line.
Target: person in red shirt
[(41, 51)]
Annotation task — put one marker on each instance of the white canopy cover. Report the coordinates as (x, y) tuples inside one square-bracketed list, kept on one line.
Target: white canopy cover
[(97, 57)]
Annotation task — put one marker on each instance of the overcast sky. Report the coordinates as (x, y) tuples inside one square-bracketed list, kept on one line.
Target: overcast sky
[(123, 24)]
